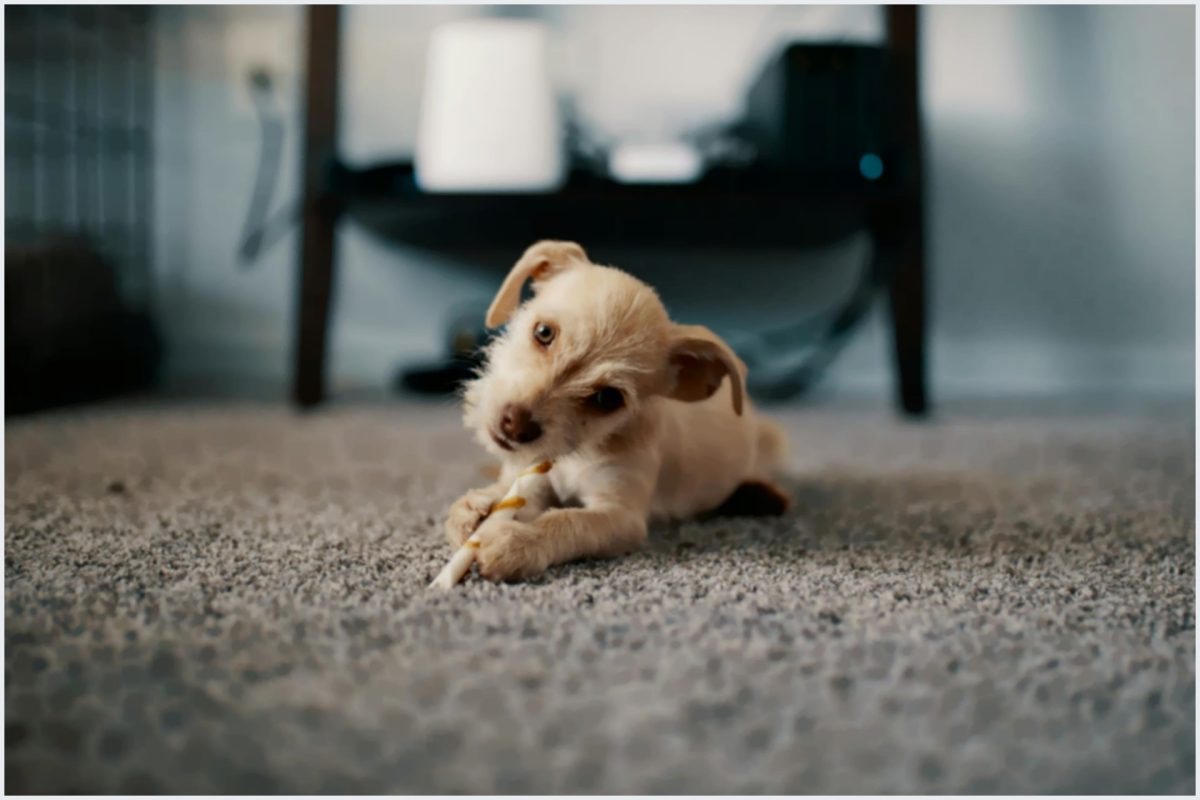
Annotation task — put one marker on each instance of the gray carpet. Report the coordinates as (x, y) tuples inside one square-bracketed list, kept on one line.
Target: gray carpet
[(232, 598)]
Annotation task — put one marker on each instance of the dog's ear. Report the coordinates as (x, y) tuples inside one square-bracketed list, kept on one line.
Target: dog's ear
[(540, 262), (700, 360)]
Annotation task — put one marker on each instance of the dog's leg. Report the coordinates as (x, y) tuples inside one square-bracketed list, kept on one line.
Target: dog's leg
[(517, 550)]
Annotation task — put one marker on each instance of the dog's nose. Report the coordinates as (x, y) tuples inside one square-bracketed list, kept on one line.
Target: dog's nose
[(518, 424)]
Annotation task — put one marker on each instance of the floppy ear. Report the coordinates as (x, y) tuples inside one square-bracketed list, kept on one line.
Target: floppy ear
[(700, 360), (541, 261)]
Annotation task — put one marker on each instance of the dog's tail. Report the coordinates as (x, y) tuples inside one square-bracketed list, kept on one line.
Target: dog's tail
[(772, 448)]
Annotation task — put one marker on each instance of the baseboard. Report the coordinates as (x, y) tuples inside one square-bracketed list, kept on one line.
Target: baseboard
[(1028, 369)]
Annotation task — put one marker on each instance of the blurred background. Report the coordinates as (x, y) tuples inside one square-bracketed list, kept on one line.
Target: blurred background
[(216, 215), (156, 161)]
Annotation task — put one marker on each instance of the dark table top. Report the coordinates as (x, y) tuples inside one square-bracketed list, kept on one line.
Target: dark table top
[(743, 208)]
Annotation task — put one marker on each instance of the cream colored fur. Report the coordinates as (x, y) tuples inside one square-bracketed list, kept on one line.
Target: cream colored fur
[(684, 440)]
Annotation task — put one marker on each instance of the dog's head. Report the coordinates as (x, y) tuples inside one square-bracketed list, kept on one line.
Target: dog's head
[(578, 360)]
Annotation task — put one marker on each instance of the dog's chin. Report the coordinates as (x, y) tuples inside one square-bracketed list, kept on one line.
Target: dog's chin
[(532, 453)]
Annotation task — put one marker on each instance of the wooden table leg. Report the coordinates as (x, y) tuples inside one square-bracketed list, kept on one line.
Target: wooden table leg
[(899, 264), (908, 300), (907, 295), (320, 213)]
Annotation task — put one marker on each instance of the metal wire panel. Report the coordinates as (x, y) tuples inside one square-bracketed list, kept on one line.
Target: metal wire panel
[(78, 141)]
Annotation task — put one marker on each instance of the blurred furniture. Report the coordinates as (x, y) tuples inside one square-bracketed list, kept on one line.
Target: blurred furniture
[(77, 219), (742, 208), (69, 337)]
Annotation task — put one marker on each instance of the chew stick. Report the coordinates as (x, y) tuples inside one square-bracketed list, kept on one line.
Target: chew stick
[(526, 496)]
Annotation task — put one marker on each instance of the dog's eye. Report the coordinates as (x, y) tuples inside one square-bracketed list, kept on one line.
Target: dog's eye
[(544, 333), (606, 400)]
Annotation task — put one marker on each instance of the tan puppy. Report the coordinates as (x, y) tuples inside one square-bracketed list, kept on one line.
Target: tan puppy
[(643, 417)]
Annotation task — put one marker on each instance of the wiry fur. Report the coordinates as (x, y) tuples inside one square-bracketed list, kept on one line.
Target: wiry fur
[(684, 440)]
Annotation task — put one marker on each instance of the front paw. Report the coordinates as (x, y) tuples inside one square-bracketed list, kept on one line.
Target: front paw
[(466, 514), (511, 551)]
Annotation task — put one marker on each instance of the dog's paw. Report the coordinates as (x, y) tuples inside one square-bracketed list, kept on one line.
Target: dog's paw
[(465, 515), (511, 551)]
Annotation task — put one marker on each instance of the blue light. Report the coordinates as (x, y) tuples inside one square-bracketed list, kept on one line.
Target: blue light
[(871, 166)]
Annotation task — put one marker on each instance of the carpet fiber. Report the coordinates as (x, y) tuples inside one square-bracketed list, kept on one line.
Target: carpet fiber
[(231, 598)]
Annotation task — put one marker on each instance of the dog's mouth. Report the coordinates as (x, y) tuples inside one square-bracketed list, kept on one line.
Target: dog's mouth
[(503, 443)]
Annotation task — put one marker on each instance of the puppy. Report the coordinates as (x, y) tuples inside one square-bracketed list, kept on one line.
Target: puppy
[(643, 417)]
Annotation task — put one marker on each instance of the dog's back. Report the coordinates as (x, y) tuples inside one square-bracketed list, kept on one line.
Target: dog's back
[(707, 451)]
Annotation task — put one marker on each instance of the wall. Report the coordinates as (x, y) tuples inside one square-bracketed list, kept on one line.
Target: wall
[(1059, 149), (1062, 197)]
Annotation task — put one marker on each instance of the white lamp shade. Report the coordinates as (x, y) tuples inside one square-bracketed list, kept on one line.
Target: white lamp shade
[(489, 120)]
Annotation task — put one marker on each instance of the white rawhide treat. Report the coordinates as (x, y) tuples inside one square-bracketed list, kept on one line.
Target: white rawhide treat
[(524, 501)]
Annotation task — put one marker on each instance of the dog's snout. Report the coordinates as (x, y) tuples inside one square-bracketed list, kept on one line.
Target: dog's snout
[(517, 423)]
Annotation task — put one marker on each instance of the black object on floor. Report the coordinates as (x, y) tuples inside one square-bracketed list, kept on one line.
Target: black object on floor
[(69, 338)]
